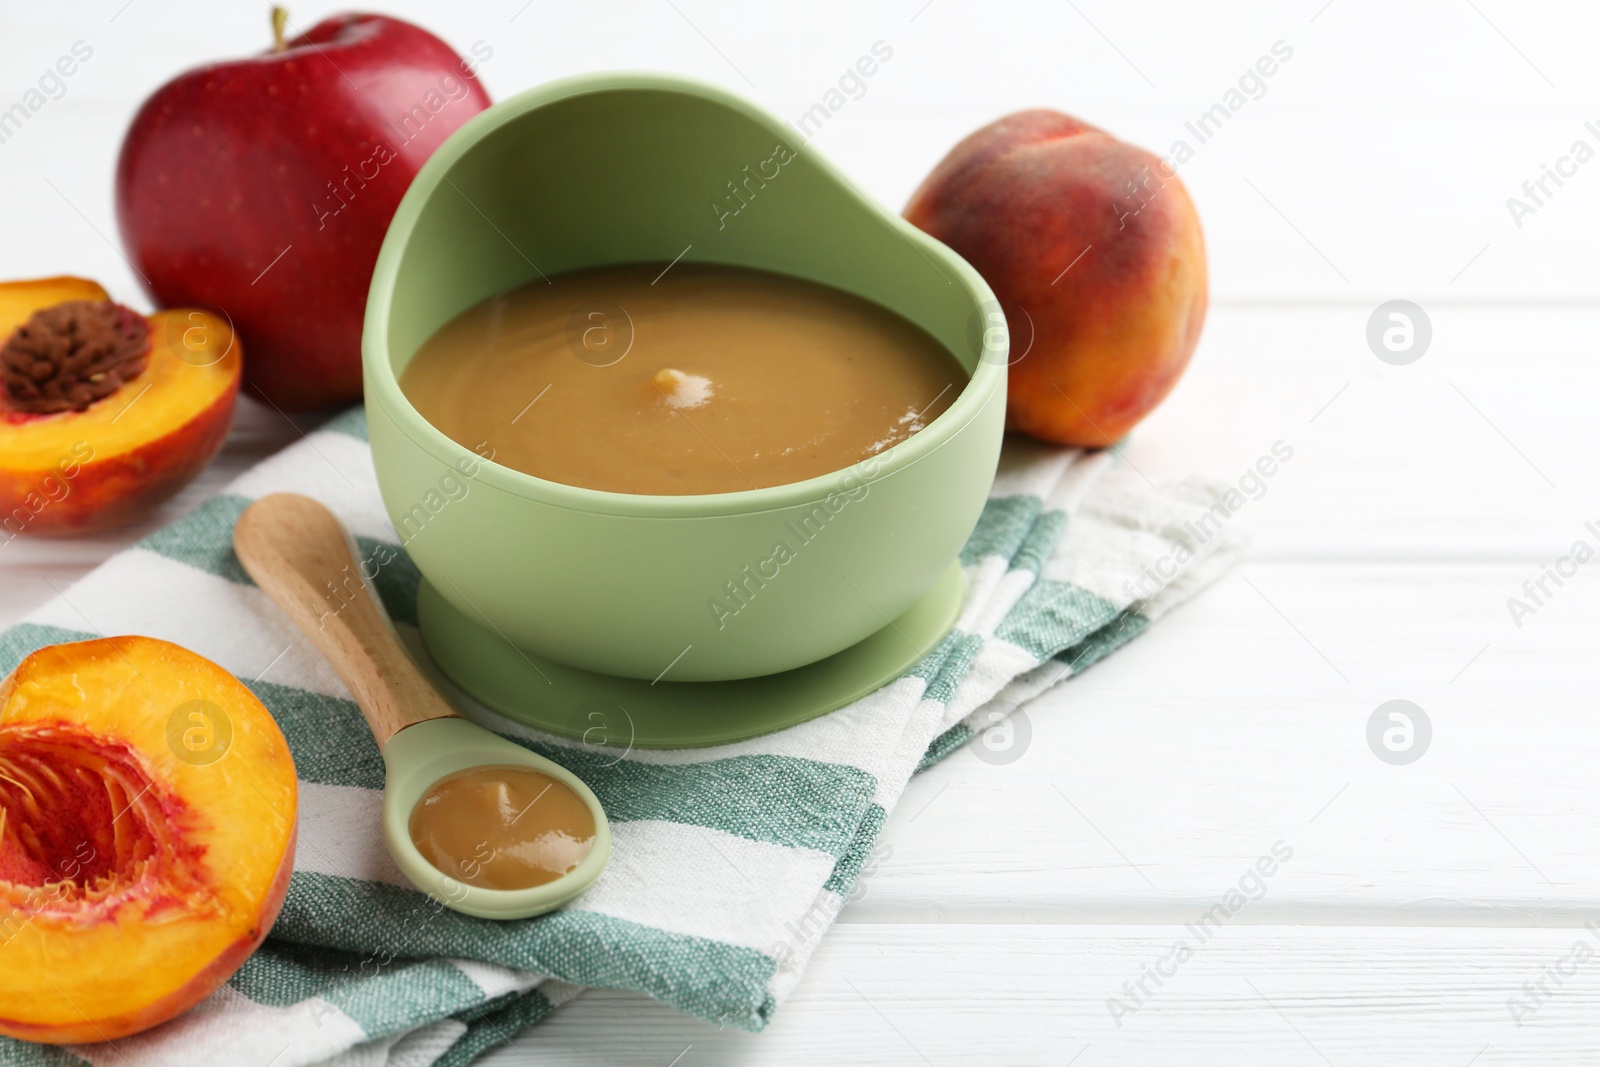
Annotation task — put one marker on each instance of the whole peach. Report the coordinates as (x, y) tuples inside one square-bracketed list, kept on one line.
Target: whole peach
[(1093, 248)]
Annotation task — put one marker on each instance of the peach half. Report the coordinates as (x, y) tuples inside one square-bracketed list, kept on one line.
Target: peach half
[(104, 414), (147, 828)]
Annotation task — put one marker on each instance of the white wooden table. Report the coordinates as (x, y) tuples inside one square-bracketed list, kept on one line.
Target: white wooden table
[(1012, 903)]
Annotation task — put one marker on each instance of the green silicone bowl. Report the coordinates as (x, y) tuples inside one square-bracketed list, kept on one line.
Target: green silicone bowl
[(621, 168)]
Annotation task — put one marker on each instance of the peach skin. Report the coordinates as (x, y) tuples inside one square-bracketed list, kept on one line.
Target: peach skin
[(1093, 249)]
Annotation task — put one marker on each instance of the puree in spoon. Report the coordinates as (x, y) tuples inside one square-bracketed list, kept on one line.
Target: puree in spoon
[(689, 378), (502, 827)]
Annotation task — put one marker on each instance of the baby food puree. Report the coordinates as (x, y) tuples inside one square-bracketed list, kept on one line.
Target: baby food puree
[(680, 379), (502, 827)]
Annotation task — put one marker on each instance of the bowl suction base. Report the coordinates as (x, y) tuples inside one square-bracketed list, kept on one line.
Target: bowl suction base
[(627, 712)]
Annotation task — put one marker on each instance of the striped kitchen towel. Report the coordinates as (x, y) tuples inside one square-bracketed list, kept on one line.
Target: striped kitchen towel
[(728, 863)]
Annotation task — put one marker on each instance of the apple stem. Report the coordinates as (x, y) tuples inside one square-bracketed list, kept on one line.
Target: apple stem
[(280, 19)]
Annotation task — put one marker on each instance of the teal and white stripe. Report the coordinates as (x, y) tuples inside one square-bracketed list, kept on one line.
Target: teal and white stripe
[(728, 863)]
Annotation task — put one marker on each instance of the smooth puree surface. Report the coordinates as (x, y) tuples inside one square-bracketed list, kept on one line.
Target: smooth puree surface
[(502, 827), (693, 378)]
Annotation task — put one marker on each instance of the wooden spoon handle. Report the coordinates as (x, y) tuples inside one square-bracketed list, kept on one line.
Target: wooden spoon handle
[(298, 552)]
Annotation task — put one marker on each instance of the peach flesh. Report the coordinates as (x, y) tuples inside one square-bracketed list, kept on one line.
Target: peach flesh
[(135, 875)]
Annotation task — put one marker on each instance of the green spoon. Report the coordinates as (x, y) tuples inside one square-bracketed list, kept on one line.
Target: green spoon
[(300, 555)]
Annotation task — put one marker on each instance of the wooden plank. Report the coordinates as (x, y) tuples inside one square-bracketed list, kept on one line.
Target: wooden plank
[(1444, 459), (1038, 995), (1240, 721), (1367, 169), (1296, 205), (1474, 452)]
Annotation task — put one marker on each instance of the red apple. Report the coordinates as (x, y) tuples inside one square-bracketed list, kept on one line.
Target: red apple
[(261, 187)]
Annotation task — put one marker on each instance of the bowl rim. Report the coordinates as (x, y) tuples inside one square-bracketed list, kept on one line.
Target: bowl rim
[(382, 386)]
